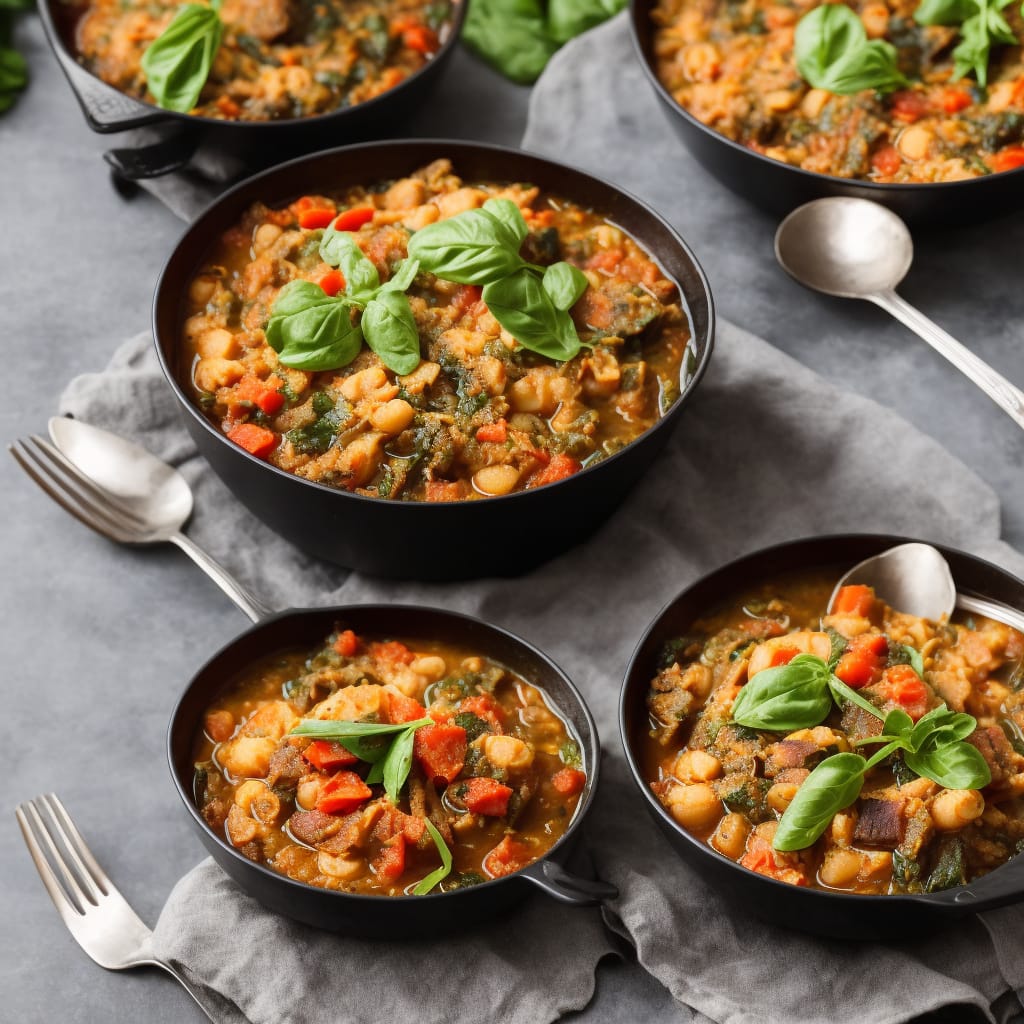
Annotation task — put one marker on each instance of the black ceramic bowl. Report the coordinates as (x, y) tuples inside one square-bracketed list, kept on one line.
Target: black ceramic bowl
[(814, 910), (385, 916), (430, 540), (780, 188), (249, 144)]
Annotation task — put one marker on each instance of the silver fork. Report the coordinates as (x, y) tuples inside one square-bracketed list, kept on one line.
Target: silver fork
[(96, 914)]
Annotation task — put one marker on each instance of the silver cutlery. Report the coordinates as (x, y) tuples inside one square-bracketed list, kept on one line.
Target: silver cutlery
[(97, 915)]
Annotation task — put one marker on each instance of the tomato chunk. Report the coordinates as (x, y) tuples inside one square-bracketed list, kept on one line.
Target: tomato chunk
[(255, 440), (782, 656), (1008, 159), (485, 707), (342, 792), (569, 781), (264, 394), (332, 282), (328, 755), (354, 219), (441, 752), (954, 100), (347, 643), (393, 822), (862, 662), (762, 857), (855, 600), (485, 796), (403, 709), (908, 106), (886, 160), (494, 432), (557, 469), (421, 39), (903, 686), (393, 651), (507, 857), (389, 864), (315, 218)]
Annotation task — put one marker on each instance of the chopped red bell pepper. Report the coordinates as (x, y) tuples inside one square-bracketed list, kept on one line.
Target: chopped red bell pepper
[(403, 709), (315, 218), (389, 864), (485, 796), (332, 282), (327, 755), (354, 219), (863, 660), (441, 752), (342, 792), (255, 440)]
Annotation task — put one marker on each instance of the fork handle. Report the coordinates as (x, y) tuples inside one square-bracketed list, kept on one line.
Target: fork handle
[(202, 1000), (246, 603)]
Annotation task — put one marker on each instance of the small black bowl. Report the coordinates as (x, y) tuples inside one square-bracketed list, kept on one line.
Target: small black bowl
[(841, 915), (250, 144), (501, 536), (779, 187), (387, 916)]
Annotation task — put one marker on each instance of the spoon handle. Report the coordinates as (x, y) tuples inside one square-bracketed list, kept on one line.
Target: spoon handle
[(991, 610), (246, 603), (1008, 397)]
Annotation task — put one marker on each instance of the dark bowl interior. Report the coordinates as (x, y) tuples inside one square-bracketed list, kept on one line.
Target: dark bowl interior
[(387, 538), (779, 187), (813, 910), (382, 916)]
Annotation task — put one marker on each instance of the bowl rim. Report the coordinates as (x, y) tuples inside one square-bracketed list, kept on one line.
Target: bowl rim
[(459, 620), (641, 9), (56, 39), (665, 422), (939, 899)]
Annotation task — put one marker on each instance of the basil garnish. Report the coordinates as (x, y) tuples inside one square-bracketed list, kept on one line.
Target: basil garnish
[(833, 52), (310, 330), (523, 307), (339, 249), (564, 284), (981, 25), (177, 63), (390, 330), (440, 874), (793, 696), (13, 67)]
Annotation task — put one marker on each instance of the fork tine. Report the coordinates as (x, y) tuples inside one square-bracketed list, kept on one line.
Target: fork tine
[(62, 494), (67, 910), (71, 883), (76, 845)]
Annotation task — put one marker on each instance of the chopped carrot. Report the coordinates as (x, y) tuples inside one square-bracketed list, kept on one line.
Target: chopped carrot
[(343, 792), (444, 490), (393, 651), (605, 259), (855, 600), (1008, 159), (347, 643), (557, 469), (782, 656), (389, 864), (354, 219), (315, 218), (862, 661), (908, 106), (227, 106), (255, 440), (569, 781), (326, 755), (421, 39), (264, 394), (903, 686), (507, 857), (402, 709), (485, 796), (219, 725), (496, 433), (332, 282), (886, 160), (441, 752), (954, 100)]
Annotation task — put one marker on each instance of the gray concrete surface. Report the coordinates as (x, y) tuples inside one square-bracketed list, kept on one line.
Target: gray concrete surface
[(98, 640)]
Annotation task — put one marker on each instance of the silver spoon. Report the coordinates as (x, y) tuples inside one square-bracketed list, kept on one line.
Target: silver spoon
[(856, 249), (157, 495), (916, 579)]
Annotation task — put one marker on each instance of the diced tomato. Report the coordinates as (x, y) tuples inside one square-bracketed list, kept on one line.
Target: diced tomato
[(227, 106), (762, 857), (886, 160), (326, 755), (903, 686), (507, 857), (332, 282), (484, 706), (389, 864), (908, 106), (441, 752), (465, 298), (315, 218), (421, 39), (855, 600), (560, 467), (354, 219), (444, 490), (954, 100), (219, 725), (347, 643), (1008, 159), (569, 781), (393, 822), (862, 661), (782, 656), (402, 709), (605, 259), (393, 651), (255, 440), (342, 792), (264, 394), (496, 433), (485, 796)]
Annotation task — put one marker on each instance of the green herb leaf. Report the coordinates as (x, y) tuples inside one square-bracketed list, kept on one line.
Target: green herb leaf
[(841, 692), (404, 276), (564, 284), (511, 35), (793, 696), (832, 52), (981, 26), (332, 729), (339, 249), (568, 18), (508, 215), (390, 330), (954, 765), (376, 772), (471, 248), (397, 764), (428, 883), (914, 659), (522, 306), (177, 63), (310, 330), (833, 785)]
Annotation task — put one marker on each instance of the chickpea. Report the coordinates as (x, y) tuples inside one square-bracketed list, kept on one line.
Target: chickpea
[(308, 792), (432, 666), (211, 374), (780, 796), (875, 17), (495, 480), (840, 868), (697, 766), (781, 99), (701, 62), (247, 792), (392, 417), (914, 142), (952, 809), (265, 236), (201, 290), (695, 807), (217, 343), (506, 752), (730, 837), (363, 383)]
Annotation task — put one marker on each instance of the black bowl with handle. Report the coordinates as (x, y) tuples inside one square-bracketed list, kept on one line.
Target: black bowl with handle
[(417, 539), (819, 911), (246, 144), (780, 187), (389, 916)]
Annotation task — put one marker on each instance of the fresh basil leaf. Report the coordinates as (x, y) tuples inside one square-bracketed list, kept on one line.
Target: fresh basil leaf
[(510, 217), (833, 785), (942, 725), (371, 749), (841, 692), (981, 25), (177, 63), (833, 52), (397, 764), (568, 18), (13, 71), (333, 729), (564, 284), (787, 697), (390, 330), (471, 248), (837, 645), (898, 724), (944, 12), (423, 887), (510, 35), (376, 772), (339, 249), (914, 658), (310, 330), (406, 274), (521, 305), (954, 765)]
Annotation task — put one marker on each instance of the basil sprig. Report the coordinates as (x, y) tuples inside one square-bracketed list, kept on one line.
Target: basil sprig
[(833, 52), (481, 247), (439, 874), (311, 330), (982, 24), (177, 63), (13, 67), (391, 762), (787, 697)]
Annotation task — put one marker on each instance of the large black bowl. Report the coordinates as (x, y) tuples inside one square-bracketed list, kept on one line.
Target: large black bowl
[(430, 540), (249, 144), (779, 187), (814, 910), (385, 916)]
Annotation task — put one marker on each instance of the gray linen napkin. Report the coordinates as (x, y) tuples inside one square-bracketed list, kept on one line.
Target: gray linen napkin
[(767, 451)]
